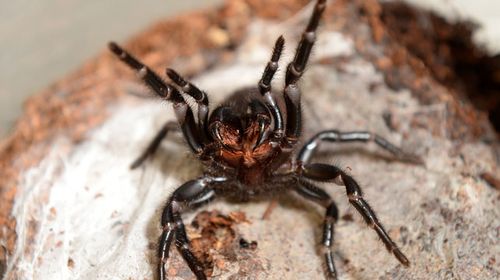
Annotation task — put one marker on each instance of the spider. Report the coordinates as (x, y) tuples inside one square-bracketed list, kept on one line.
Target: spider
[(248, 147)]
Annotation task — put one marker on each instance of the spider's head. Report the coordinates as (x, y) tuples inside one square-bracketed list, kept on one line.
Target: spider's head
[(243, 137)]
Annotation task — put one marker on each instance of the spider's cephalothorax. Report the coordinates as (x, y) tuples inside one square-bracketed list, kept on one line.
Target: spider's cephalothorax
[(247, 145), (244, 139)]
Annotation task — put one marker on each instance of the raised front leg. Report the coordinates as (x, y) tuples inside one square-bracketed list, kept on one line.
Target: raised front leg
[(295, 70), (189, 195), (325, 172), (265, 88), (183, 112), (198, 95), (319, 196), (310, 147)]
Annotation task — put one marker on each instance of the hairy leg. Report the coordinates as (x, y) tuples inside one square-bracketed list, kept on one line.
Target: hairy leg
[(319, 196), (325, 172), (310, 146), (265, 88), (295, 70), (183, 112), (199, 96), (191, 194)]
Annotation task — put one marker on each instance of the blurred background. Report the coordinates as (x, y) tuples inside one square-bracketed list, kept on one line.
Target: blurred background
[(42, 41)]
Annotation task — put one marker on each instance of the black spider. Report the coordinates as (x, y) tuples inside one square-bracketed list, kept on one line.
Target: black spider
[(248, 144)]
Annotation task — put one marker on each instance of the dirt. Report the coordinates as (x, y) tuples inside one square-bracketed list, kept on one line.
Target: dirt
[(244, 244), (214, 238), (447, 49), (420, 51)]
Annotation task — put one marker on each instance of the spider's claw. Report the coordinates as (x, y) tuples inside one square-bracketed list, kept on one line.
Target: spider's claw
[(138, 162), (412, 158), (401, 257), (115, 48), (332, 272)]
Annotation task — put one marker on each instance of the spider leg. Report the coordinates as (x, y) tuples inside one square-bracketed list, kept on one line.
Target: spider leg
[(199, 96), (325, 172), (310, 147), (318, 195), (155, 143), (183, 112), (295, 70), (265, 88), (190, 195)]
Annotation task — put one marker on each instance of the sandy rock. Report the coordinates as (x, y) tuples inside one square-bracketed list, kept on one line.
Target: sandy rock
[(80, 213)]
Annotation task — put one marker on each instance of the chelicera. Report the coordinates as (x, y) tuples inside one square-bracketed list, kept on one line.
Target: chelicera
[(248, 147)]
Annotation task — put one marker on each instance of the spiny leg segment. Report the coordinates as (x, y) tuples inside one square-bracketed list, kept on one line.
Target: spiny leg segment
[(190, 195), (325, 172), (183, 112), (319, 196), (198, 95), (295, 70), (265, 88), (311, 146)]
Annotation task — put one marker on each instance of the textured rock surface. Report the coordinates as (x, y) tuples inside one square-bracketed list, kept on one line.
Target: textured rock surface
[(82, 214)]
